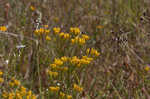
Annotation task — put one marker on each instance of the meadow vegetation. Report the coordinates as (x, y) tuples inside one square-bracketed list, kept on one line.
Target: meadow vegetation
[(74, 49)]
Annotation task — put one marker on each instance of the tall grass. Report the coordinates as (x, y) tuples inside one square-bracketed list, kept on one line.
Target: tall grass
[(118, 29)]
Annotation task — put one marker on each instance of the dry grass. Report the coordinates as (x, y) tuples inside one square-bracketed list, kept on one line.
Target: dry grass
[(118, 29)]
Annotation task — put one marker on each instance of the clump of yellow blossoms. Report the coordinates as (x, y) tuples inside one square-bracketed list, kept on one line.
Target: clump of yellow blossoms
[(83, 61), (78, 40), (3, 28), (77, 88), (69, 97), (42, 31), (14, 82), (54, 89), (48, 38), (20, 93), (64, 35), (52, 74), (16, 91), (56, 30), (92, 51), (1, 79), (75, 30), (63, 95), (32, 8), (58, 62), (63, 70)]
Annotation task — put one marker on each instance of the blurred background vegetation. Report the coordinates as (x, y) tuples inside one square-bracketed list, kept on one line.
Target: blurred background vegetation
[(119, 29)]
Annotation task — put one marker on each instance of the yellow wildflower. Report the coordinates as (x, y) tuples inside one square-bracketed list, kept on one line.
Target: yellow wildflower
[(75, 30), (147, 68), (69, 97), (32, 8), (81, 41), (5, 94), (77, 88), (92, 51), (33, 97), (61, 34), (86, 37), (64, 58), (66, 36), (48, 38), (62, 94), (58, 62), (11, 95), (23, 91), (29, 93), (18, 96), (11, 84), (72, 41), (47, 31), (17, 82), (54, 88), (75, 60), (3, 28), (41, 30), (71, 29), (53, 73), (56, 30), (53, 66), (84, 61)]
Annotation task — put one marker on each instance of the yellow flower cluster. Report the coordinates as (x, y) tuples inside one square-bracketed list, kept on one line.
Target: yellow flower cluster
[(75, 30), (92, 51), (77, 88), (69, 97), (56, 30), (1, 79), (64, 58), (52, 74), (58, 65), (14, 82), (54, 89), (86, 37), (19, 94), (58, 61), (42, 31), (63, 95), (80, 40), (48, 38), (3, 28), (18, 91), (32, 8), (64, 35), (83, 61)]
